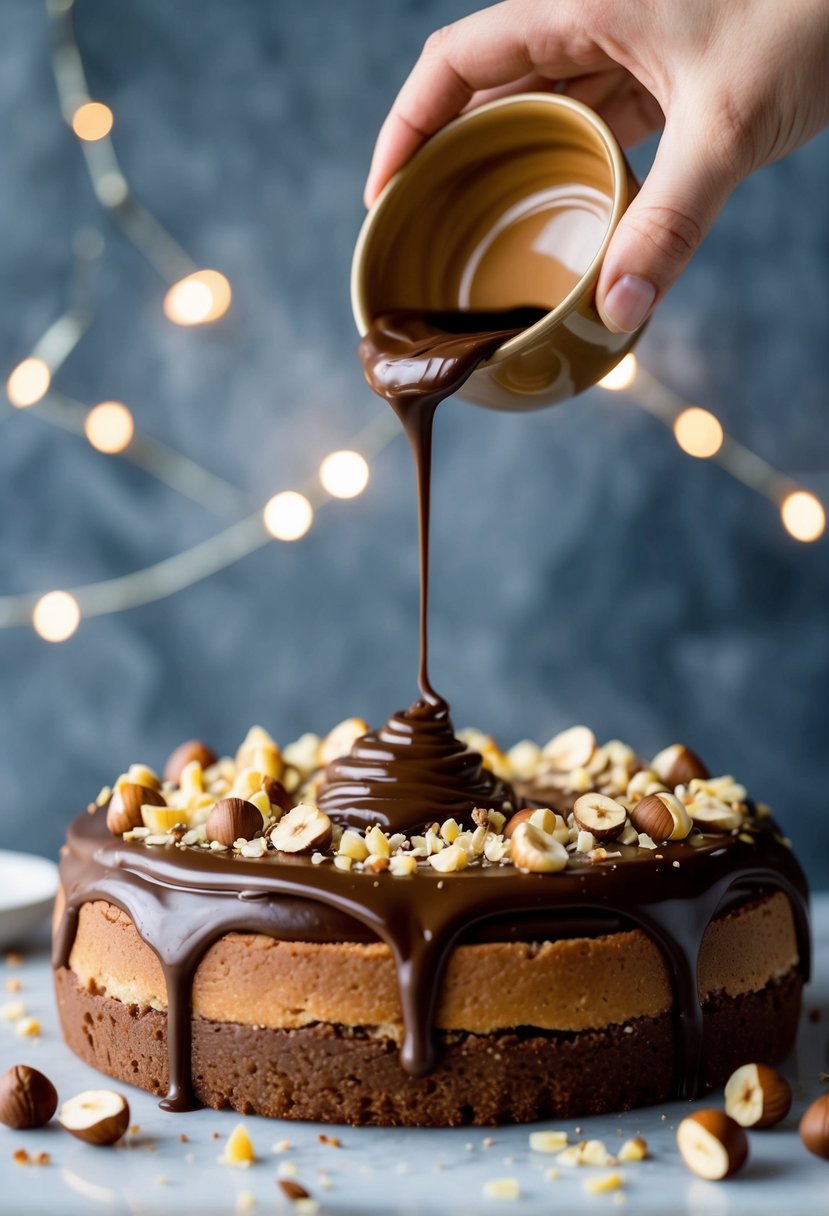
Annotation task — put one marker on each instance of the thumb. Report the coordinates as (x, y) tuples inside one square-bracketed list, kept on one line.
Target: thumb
[(662, 227)]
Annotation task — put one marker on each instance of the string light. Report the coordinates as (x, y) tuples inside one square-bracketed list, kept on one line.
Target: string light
[(622, 375), (344, 474), (28, 383), (198, 298), (56, 616), (109, 427), (698, 432), (92, 121), (288, 515), (803, 515)]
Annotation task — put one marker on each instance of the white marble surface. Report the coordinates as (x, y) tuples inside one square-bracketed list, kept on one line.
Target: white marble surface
[(388, 1171)]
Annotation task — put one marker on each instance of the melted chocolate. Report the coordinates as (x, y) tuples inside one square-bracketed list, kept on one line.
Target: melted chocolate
[(182, 900), (413, 770)]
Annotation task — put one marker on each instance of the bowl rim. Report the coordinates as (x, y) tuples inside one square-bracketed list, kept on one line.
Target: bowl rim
[(546, 324), (46, 876)]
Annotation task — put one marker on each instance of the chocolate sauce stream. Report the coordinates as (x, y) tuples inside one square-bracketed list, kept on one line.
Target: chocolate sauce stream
[(413, 770), (183, 900)]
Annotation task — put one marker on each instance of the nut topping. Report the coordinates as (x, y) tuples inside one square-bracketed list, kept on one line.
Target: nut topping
[(711, 815), (712, 1144), (277, 794), (305, 829), (514, 821), (27, 1098), (569, 749), (233, 819), (602, 816), (757, 1096), (97, 1116), (185, 754), (124, 811), (677, 765), (535, 851), (662, 817)]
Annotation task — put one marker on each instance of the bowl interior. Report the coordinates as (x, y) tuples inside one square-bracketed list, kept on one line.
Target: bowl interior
[(507, 206)]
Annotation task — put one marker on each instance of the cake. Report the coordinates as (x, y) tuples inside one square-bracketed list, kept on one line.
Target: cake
[(599, 933)]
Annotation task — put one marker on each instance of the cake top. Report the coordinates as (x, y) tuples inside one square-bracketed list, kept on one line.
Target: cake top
[(572, 802)]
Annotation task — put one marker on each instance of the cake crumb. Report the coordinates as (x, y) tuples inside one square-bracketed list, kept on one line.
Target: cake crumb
[(814, 1015), (14, 958), (281, 1146), (134, 1129), (189, 1158), (13, 984), (487, 1142), (184, 1138), (20, 1156), (160, 1180), (330, 1141), (12, 1011), (551, 1175), (245, 1201), (287, 1169), (42, 1159), (28, 1028)]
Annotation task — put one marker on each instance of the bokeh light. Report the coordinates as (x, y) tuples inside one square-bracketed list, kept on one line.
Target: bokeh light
[(92, 121), (109, 427), (621, 376), (288, 515), (56, 616), (698, 432), (28, 383), (803, 515), (198, 298), (344, 474)]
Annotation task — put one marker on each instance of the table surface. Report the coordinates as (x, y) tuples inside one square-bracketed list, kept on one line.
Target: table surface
[(388, 1170)]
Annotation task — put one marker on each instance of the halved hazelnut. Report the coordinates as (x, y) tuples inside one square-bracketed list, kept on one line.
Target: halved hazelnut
[(677, 765), (569, 749), (184, 754), (232, 818), (712, 1144), (602, 816), (662, 817), (277, 794), (757, 1096), (712, 815), (814, 1127), (304, 829), (97, 1116), (124, 810), (535, 851)]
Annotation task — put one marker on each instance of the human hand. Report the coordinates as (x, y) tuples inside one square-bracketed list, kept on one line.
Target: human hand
[(738, 84)]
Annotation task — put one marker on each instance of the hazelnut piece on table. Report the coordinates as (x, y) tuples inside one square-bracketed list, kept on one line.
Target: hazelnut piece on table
[(232, 818), (602, 816), (184, 754), (757, 1096), (662, 817), (97, 1116), (27, 1098), (677, 765), (814, 1127), (124, 811), (712, 1144), (305, 829)]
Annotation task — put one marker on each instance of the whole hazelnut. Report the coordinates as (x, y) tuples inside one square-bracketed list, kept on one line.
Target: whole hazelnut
[(661, 816), (677, 765), (124, 810), (27, 1098), (814, 1127), (232, 818), (514, 821), (193, 749)]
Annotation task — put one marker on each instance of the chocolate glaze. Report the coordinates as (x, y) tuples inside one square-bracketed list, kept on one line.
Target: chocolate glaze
[(182, 900), (413, 769)]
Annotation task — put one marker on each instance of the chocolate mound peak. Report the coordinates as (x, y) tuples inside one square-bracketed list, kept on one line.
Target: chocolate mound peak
[(409, 773)]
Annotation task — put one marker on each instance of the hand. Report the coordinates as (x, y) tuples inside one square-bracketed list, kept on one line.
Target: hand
[(737, 83)]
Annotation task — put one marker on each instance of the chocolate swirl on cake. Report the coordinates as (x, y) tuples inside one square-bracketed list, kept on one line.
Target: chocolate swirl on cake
[(409, 773)]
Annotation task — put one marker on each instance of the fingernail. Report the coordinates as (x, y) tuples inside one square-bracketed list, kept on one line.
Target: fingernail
[(628, 302)]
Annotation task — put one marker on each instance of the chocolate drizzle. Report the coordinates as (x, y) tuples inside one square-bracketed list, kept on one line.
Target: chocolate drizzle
[(413, 769), (183, 900)]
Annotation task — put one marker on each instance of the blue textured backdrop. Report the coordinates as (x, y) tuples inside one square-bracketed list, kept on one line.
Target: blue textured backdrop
[(584, 569)]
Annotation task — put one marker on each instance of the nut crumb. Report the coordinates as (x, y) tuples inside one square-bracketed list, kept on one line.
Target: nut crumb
[(28, 1028), (600, 1186), (487, 1142), (287, 1169), (281, 1146), (184, 1138), (20, 1157), (134, 1129), (245, 1202), (551, 1175), (42, 1159), (331, 1141), (13, 985), (502, 1188)]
